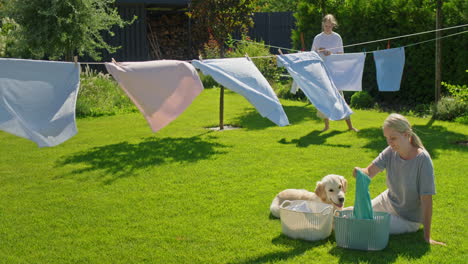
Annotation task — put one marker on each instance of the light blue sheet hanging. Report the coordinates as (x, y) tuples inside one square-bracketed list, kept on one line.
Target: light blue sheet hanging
[(308, 71), (362, 202), (37, 99), (240, 75), (389, 64)]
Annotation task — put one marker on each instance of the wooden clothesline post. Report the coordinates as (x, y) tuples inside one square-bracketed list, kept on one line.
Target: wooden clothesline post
[(438, 52)]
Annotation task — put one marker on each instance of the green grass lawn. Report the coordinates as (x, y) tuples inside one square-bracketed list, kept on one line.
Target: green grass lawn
[(117, 193)]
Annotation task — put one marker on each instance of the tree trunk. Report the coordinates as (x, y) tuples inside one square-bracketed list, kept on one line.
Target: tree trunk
[(438, 51)]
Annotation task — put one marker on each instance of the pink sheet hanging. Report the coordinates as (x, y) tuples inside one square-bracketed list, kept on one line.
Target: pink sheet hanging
[(161, 90)]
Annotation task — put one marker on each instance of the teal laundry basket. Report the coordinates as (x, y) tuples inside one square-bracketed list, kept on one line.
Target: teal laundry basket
[(361, 234)]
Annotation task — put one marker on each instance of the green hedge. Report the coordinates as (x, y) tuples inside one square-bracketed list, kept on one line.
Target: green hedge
[(367, 20)]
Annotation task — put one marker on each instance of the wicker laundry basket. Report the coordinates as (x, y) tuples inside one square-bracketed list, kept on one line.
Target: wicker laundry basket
[(313, 225), (362, 234)]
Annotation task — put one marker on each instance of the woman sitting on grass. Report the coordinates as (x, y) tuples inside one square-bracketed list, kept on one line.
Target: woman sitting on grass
[(410, 179)]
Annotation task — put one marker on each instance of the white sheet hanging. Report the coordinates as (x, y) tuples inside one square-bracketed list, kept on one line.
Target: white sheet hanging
[(346, 70), (308, 71), (37, 99), (161, 90), (240, 75)]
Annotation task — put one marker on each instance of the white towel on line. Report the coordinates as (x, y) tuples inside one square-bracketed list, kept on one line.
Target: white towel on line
[(346, 70)]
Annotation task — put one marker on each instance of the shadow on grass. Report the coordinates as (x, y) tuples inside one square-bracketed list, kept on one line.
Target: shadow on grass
[(298, 247), (252, 120), (122, 159), (315, 138), (409, 246), (434, 138)]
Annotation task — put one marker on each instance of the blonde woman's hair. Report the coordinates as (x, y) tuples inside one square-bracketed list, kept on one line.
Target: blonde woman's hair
[(400, 124), (330, 18)]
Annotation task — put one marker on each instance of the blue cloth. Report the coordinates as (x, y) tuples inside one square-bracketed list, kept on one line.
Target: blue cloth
[(362, 202), (308, 71), (240, 75), (389, 65), (37, 99)]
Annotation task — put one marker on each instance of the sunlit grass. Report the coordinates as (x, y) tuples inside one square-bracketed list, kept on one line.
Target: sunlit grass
[(117, 193)]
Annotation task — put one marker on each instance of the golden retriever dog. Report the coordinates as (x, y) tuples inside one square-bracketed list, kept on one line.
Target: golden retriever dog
[(331, 190)]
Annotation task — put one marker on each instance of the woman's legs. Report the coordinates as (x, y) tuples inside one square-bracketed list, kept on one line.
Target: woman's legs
[(398, 225), (327, 124), (350, 125)]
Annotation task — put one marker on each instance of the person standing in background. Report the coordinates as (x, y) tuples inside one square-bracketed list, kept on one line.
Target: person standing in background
[(326, 43)]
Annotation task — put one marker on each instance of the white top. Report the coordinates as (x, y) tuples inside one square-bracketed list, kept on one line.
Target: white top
[(331, 42)]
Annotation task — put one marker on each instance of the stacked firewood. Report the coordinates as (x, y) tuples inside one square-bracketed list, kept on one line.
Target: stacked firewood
[(169, 36)]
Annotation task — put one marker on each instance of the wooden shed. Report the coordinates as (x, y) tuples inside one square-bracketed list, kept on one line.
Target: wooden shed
[(164, 31), (161, 30)]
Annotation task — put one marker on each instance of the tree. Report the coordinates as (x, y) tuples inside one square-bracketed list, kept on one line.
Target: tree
[(220, 18), (64, 28), (276, 5)]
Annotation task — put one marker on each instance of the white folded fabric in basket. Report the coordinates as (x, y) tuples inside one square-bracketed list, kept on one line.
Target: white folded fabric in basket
[(306, 220)]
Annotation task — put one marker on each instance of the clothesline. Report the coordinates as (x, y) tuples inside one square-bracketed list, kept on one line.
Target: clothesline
[(409, 45), (368, 42), (362, 43)]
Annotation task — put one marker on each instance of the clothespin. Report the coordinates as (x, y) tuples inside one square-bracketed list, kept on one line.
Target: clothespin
[(247, 56), (114, 61), (280, 52), (388, 44), (200, 57), (363, 49), (75, 59)]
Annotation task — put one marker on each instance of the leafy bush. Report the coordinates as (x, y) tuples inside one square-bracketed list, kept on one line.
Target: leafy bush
[(266, 65), (282, 90), (455, 106), (459, 92), (449, 108), (462, 119), (208, 81), (100, 95), (422, 110), (362, 100)]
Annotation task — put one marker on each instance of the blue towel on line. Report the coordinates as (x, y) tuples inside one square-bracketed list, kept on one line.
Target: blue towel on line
[(389, 65), (240, 75), (37, 99), (308, 71)]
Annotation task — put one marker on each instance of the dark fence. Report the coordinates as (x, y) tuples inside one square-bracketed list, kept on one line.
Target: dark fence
[(132, 39), (272, 28)]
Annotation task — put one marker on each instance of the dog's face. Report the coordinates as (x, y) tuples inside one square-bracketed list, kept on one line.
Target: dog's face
[(331, 189)]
